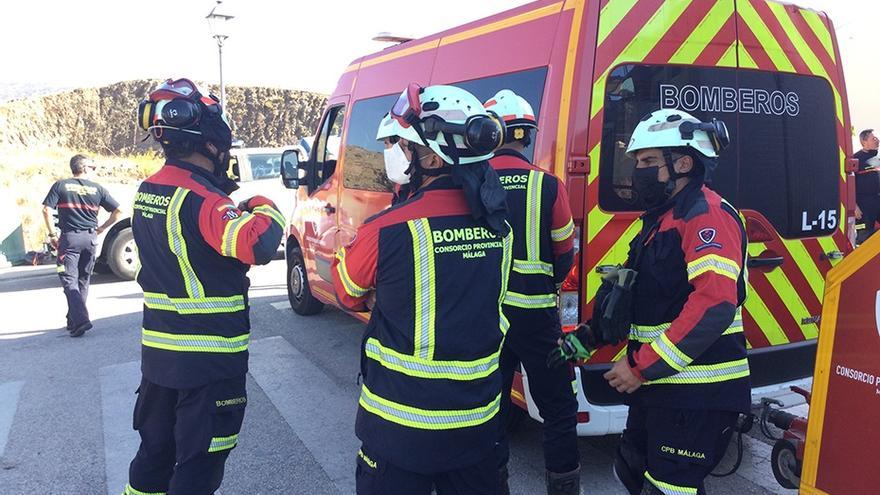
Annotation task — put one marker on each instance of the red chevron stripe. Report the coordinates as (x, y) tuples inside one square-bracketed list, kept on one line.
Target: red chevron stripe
[(624, 33), (817, 254), (751, 44), (797, 17), (753, 332), (802, 287), (677, 34), (776, 305), (782, 38), (716, 48)]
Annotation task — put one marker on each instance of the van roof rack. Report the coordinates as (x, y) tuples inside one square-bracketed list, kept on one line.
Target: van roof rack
[(387, 37)]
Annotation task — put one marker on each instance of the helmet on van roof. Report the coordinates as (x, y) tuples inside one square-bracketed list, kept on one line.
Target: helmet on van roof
[(447, 119), (670, 128)]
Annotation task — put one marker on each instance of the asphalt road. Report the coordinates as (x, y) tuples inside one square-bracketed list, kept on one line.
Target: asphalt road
[(66, 404)]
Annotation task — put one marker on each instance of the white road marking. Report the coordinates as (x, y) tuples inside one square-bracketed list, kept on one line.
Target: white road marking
[(316, 408), (118, 383), (281, 305), (9, 394)]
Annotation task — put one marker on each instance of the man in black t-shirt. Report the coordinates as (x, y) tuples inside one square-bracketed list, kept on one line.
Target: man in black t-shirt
[(868, 183), (78, 201)]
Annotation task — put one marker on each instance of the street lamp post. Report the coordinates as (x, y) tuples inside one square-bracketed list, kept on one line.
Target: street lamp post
[(218, 21)]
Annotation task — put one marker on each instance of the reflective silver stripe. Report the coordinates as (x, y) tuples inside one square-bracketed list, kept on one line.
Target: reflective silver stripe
[(563, 232), (230, 234), (532, 267), (177, 243), (272, 213), (713, 263), (185, 305), (423, 254), (646, 333), (353, 289), (194, 342), (413, 366), (533, 216), (670, 353), (708, 373), (530, 301), (223, 443), (426, 419)]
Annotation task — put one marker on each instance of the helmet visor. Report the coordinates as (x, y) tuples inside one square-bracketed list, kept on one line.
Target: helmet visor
[(406, 109), (174, 88)]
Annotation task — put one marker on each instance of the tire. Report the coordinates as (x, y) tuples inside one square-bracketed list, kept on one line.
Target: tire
[(298, 291), (123, 258), (785, 464)]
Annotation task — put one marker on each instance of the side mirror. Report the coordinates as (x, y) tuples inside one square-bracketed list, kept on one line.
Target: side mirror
[(290, 171)]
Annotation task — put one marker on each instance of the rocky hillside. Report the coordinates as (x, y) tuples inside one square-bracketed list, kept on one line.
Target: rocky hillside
[(102, 120)]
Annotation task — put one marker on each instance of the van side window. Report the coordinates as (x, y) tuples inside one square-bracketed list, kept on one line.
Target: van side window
[(783, 158), (527, 83), (364, 156), (326, 150)]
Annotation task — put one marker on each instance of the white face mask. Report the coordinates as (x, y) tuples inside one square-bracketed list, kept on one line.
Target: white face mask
[(396, 164)]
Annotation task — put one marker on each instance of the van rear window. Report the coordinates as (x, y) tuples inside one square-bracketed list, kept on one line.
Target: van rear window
[(783, 160)]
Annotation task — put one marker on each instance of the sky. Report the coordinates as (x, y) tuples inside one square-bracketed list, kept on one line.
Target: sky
[(292, 44)]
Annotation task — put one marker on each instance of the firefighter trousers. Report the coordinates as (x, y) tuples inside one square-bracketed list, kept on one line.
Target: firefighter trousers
[(76, 260), (532, 335), (375, 476), (186, 436), (870, 206), (672, 449)]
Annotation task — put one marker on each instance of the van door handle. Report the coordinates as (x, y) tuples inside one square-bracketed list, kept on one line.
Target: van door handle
[(768, 262), (329, 209)]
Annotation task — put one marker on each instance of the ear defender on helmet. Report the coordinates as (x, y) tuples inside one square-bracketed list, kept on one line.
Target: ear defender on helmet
[(482, 134), (715, 129)]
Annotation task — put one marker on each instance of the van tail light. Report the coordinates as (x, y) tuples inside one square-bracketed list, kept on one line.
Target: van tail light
[(757, 231), (569, 295)]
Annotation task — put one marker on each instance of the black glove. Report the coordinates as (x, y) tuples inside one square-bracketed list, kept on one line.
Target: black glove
[(612, 312), (574, 346), (243, 206)]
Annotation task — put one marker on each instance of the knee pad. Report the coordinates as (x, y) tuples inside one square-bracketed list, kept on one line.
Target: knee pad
[(629, 469)]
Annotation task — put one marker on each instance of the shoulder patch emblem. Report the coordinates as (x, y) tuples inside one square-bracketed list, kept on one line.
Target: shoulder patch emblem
[(707, 239), (230, 214)]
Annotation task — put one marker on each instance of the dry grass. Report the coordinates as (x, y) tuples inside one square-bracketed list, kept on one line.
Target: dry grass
[(28, 173)]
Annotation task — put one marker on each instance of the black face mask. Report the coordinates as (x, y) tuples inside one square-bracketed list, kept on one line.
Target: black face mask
[(650, 190)]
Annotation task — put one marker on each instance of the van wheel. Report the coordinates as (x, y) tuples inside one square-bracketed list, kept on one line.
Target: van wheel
[(123, 257), (298, 292)]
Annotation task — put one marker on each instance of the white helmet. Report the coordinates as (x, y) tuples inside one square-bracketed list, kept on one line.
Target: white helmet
[(512, 108), (670, 128), (449, 120)]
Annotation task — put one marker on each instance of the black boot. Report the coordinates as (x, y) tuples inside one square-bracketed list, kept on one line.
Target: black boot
[(564, 483)]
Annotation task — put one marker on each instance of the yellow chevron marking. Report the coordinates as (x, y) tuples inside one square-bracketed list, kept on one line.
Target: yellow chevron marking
[(790, 298), (700, 37), (615, 255), (751, 17), (611, 16), (767, 324), (745, 59), (829, 245), (729, 57), (821, 31), (642, 44), (807, 265)]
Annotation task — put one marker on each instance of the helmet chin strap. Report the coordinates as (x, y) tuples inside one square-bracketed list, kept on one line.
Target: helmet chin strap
[(673, 175)]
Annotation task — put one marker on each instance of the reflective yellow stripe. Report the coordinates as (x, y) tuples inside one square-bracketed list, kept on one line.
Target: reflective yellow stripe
[(272, 213), (533, 216), (562, 233), (668, 489), (219, 444), (194, 343), (188, 305), (647, 334), (60, 269), (713, 263), (707, 373), (177, 243), (506, 257), (229, 244), (532, 267), (426, 419), (422, 368), (670, 353), (425, 305), (129, 490), (530, 301), (351, 288)]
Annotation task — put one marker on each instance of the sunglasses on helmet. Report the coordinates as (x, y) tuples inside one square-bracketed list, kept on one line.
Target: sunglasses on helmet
[(407, 109)]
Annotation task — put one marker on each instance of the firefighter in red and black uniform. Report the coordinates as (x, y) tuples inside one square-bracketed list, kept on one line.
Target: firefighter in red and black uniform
[(437, 265), (686, 371), (195, 246), (543, 250)]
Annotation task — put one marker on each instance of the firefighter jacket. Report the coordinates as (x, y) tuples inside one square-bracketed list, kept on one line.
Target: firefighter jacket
[(540, 215), (195, 247), (431, 386), (686, 342)]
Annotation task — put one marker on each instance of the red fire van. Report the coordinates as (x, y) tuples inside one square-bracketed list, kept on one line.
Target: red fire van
[(591, 69)]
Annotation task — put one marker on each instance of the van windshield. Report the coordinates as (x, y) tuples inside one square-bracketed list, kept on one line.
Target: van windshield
[(783, 161)]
